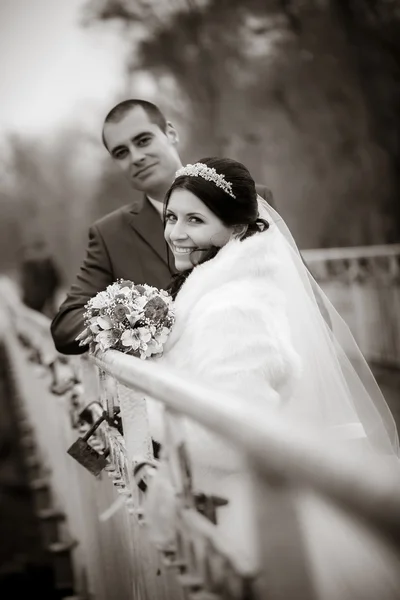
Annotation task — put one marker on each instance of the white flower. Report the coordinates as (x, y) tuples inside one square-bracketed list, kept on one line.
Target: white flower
[(101, 300), (152, 329), (148, 349), (106, 339), (134, 317), (130, 339), (141, 301), (163, 335), (126, 291), (113, 289), (144, 334), (104, 322), (154, 346), (94, 328)]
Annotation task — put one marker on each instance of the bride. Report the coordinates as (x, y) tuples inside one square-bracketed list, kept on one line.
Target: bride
[(252, 322)]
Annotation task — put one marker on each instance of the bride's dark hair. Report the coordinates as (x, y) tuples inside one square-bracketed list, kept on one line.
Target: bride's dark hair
[(241, 210)]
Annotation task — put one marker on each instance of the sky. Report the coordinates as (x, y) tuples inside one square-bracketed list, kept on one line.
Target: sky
[(50, 67)]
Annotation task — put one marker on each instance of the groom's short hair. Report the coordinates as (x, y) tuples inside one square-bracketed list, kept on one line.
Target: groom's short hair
[(122, 108)]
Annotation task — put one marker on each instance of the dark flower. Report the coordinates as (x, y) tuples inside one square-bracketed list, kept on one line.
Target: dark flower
[(120, 312), (126, 283), (140, 289), (155, 309)]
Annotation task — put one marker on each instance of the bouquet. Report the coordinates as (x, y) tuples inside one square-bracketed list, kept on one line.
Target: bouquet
[(135, 319)]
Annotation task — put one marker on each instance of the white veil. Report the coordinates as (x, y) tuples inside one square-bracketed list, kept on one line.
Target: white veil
[(337, 389)]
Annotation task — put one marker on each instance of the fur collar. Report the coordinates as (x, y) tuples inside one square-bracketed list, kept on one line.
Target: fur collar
[(251, 264), (252, 259)]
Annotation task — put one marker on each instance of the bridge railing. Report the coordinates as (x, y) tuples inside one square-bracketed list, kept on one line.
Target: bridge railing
[(363, 283), (326, 521)]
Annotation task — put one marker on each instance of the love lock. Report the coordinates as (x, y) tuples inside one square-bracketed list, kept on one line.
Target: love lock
[(207, 505), (143, 471), (115, 420), (87, 456), (88, 414)]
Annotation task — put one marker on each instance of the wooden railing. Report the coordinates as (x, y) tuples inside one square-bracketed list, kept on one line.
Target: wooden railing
[(363, 283), (327, 521)]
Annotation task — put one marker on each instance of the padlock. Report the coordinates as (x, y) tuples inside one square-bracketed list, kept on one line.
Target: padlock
[(143, 471), (90, 415), (115, 420), (207, 505), (87, 456)]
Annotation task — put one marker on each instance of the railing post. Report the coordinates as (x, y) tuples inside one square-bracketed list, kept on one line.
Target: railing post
[(282, 549)]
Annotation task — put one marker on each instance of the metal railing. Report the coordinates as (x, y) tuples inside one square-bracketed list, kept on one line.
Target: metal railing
[(327, 522), (363, 283)]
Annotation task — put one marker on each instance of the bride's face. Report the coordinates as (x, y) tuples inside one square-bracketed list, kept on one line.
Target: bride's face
[(190, 226)]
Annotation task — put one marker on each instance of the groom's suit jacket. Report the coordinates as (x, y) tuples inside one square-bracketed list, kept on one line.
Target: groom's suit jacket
[(128, 244)]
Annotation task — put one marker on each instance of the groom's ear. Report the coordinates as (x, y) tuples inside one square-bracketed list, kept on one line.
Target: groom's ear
[(171, 133)]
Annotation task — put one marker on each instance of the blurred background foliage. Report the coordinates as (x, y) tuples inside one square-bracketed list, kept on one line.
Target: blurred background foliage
[(305, 92)]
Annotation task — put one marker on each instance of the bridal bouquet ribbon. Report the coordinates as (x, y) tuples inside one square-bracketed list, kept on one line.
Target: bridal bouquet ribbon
[(134, 319)]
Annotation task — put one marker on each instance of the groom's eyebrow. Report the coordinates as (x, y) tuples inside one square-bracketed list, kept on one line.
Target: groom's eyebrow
[(140, 135), (137, 138), (118, 147)]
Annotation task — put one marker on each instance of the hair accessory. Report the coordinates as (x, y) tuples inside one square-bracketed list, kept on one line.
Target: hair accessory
[(207, 173)]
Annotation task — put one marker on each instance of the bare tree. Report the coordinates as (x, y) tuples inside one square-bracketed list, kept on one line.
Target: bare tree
[(305, 92), (49, 192)]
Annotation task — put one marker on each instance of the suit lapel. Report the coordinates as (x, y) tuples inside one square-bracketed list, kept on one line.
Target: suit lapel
[(145, 220)]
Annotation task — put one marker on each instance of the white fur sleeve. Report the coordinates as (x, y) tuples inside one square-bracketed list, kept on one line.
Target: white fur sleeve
[(245, 349), (240, 345), (244, 352)]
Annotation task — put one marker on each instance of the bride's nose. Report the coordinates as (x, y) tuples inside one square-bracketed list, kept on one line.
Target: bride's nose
[(178, 232)]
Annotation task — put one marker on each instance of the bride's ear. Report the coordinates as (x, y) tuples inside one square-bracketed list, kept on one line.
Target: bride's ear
[(239, 231)]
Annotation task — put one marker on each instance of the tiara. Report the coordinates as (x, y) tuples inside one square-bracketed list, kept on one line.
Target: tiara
[(207, 173)]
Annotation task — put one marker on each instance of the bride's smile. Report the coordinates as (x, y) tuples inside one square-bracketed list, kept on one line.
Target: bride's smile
[(191, 228)]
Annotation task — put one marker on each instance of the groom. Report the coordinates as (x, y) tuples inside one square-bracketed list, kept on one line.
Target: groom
[(129, 242)]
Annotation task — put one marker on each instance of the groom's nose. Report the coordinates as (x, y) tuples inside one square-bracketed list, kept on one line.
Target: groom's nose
[(136, 155)]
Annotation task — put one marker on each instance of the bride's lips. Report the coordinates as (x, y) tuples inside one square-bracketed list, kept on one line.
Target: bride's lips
[(182, 249)]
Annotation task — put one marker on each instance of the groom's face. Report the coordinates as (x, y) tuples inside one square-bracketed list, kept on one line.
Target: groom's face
[(147, 155)]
